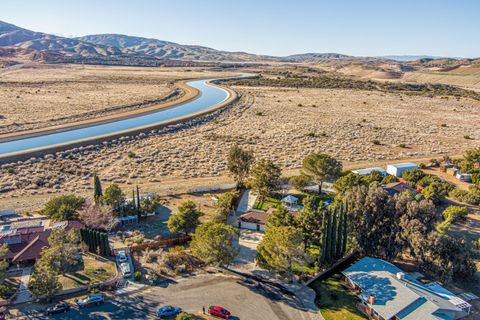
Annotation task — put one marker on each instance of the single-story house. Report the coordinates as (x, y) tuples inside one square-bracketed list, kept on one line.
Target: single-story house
[(253, 220), (367, 171), (397, 169), (387, 293), (397, 187), (25, 244)]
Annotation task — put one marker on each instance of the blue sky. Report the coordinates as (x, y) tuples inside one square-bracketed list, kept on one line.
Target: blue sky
[(362, 27)]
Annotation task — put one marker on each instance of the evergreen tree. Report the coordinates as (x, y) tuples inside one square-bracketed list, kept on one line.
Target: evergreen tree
[(345, 229), (138, 200), (328, 236), (333, 239), (323, 257), (133, 200), (97, 189), (339, 246)]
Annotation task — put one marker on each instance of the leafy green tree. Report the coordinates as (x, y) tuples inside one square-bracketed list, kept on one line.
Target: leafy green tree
[(114, 197), (64, 250), (471, 161), (238, 163), (413, 175), (280, 217), (374, 176), (186, 219), (372, 214), (265, 177), (44, 280), (389, 179), (321, 167), (309, 221), (299, 182), (437, 191), (149, 204), (97, 189), (279, 249), (447, 257), (215, 243), (63, 207), (348, 181), (225, 205)]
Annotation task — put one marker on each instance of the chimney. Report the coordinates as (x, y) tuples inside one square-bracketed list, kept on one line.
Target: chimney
[(371, 299)]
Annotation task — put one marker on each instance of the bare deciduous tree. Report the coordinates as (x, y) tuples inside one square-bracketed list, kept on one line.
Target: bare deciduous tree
[(98, 217)]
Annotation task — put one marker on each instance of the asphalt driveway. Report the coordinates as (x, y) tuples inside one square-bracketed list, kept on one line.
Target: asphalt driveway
[(245, 299)]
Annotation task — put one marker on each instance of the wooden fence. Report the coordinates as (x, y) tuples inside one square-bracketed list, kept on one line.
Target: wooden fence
[(156, 244)]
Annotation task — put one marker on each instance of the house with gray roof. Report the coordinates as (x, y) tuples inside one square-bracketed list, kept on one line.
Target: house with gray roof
[(386, 293)]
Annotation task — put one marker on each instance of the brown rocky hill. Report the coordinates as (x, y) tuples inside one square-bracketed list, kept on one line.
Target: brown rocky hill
[(170, 50)]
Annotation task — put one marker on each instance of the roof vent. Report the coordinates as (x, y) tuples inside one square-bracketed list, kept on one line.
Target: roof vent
[(400, 276)]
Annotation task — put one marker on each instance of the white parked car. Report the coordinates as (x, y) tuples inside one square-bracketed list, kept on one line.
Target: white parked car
[(93, 299), (122, 256), (125, 267)]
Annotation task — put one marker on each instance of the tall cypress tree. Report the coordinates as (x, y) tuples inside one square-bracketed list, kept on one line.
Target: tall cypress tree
[(345, 229), (133, 200), (339, 245), (138, 200), (323, 257), (97, 189), (328, 255), (333, 241)]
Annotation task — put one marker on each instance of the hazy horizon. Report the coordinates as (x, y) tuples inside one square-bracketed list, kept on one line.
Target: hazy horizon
[(367, 28)]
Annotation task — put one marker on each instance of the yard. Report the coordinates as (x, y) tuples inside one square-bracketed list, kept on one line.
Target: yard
[(335, 301), (94, 270), (275, 201)]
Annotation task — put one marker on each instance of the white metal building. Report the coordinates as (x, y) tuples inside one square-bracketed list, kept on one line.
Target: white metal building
[(398, 168), (367, 171)]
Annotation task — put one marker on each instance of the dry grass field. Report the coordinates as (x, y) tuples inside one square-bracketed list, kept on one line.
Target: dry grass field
[(283, 124), (39, 96)]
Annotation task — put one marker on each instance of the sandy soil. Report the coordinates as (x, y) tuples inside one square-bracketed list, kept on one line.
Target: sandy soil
[(281, 124), (63, 94)]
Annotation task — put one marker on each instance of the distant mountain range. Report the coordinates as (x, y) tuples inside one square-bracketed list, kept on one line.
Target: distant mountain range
[(22, 44), (413, 57)]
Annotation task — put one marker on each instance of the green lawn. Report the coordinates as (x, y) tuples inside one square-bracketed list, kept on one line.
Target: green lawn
[(94, 269), (268, 202), (335, 301)]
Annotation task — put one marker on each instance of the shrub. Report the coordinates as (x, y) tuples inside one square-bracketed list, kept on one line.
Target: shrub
[(376, 142), (389, 179), (455, 213), (402, 145), (184, 316), (413, 175), (5, 291), (131, 155), (137, 275)]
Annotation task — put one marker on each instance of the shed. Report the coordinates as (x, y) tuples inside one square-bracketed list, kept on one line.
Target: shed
[(367, 171), (398, 168)]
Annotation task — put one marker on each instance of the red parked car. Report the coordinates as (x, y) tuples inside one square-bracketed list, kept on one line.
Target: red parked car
[(218, 311)]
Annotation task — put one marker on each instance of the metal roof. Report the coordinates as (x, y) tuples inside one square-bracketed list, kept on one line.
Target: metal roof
[(398, 294)]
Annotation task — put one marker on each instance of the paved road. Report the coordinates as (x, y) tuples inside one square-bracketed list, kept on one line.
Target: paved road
[(246, 300)]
